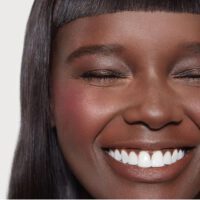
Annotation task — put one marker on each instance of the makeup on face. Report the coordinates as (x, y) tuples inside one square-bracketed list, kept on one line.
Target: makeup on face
[(126, 103)]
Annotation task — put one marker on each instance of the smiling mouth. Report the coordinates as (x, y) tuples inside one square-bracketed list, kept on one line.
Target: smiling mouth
[(147, 158), (149, 166)]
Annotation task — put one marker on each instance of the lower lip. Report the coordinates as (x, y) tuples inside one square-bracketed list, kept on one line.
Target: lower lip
[(150, 175)]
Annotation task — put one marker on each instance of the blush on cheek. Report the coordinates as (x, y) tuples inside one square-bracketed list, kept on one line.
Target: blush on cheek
[(78, 116)]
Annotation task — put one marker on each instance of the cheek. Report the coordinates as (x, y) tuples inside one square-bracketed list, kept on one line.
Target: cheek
[(191, 104), (80, 114), (74, 116)]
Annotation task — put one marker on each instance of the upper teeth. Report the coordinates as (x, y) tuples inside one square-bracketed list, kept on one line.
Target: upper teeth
[(145, 160)]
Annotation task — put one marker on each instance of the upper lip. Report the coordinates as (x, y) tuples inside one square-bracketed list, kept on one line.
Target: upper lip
[(148, 145), (148, 141)]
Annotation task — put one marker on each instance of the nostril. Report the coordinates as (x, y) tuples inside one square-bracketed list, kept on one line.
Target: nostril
[(153, 117), (155, 127), (153, 113)]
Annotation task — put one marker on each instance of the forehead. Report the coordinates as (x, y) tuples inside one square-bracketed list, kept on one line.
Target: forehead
[(124, 26)]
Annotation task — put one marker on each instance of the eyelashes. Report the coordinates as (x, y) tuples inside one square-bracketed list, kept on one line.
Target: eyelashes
[(103, 76), (189, 75), (109, 77)]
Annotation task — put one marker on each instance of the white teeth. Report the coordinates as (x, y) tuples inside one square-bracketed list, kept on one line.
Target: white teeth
[(111, 153), (175, 156), (117, 155), (125, 156), (133, 158), (180, 154), (157, 159), (144, 159), (167, 159)]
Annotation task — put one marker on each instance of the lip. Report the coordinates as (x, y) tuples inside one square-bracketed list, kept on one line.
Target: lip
[(172, 144), (150, 175)]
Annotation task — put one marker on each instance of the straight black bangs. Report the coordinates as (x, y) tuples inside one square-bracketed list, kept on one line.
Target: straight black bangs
[(66, 11)]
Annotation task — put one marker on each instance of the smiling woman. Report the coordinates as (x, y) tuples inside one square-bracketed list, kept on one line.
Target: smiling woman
[(110, 97)]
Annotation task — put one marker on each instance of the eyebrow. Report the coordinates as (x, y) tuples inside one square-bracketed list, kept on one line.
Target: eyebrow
[(107, 50), (192, 47), (110, 49)]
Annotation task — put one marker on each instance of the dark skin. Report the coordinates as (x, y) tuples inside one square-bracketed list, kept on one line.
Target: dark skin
[(144, 91)]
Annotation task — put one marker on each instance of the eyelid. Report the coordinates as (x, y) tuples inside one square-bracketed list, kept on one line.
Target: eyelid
[(190, 77), (105, 73), (105, 77), (187, 71)]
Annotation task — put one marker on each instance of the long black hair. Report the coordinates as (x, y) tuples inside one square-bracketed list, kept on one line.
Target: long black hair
[(39, 170)]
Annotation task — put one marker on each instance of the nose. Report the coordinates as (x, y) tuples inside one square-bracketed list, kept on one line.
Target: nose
[(154, 107)]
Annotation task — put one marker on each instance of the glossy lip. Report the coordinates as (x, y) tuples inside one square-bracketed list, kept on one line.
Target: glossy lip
[(150, 175)]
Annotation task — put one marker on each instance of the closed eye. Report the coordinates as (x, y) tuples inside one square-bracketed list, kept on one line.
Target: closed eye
[(102, 74), (188, 74), (104, 77)]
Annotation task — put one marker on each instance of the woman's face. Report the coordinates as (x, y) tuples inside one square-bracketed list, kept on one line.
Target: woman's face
[(126, 103)]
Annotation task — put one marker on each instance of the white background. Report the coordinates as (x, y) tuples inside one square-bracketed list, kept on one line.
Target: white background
[(13, 19)]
